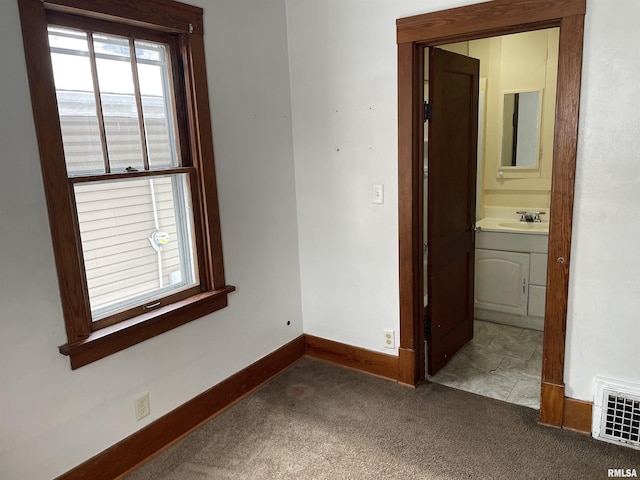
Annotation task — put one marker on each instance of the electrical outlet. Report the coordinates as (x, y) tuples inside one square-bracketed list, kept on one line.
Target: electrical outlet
[(142, 406), (389, 339)]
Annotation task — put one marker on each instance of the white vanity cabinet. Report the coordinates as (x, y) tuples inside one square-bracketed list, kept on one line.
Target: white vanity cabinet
[(510, 278)]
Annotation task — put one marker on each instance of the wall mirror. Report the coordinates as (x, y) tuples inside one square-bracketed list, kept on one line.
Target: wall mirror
[(521, 114)]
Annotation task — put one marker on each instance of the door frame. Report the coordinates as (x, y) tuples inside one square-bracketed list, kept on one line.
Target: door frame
[(482, 20)]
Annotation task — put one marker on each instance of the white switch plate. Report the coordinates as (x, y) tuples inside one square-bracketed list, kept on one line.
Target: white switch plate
[(389, 339), (378, 194)]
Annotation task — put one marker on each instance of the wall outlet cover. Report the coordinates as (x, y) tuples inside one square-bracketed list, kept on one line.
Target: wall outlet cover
[(389, 339), (142, 406)]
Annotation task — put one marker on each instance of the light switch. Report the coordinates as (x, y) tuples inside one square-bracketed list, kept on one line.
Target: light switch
[(378, 194)]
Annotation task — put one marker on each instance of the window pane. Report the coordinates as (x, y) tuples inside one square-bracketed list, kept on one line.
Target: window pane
[(76, 101), (157, 107), (69, 39), (119, 109), (137, 241)]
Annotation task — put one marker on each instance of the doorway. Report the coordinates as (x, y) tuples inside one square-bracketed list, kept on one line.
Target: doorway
[(472, 22), (505, 311)]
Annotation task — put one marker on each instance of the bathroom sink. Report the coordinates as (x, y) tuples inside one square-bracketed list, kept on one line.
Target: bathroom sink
[(541, 227)]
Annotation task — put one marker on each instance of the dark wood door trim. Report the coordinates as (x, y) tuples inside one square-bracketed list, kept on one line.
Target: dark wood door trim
[(488, 19), (410, 175), (483, 20)]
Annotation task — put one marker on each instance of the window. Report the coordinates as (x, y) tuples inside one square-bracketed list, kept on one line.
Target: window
[(122, 118)]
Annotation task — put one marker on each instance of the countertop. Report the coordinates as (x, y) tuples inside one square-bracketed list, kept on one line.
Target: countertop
[(513, 226)]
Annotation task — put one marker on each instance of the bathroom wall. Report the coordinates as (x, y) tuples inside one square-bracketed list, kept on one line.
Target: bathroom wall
[(53, 418), (521, 62)]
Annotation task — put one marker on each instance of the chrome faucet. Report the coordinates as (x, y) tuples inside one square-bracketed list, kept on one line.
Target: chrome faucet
[(530, 217), (536, 216)]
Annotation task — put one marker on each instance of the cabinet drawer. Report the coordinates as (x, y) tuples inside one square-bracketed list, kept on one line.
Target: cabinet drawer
[(536, 300), (538, 269)]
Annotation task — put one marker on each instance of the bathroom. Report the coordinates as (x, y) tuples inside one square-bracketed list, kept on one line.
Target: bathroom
[(518, 76)]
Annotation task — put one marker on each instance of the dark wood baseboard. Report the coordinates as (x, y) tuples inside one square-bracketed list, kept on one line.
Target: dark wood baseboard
[(577, 415), (139, 447), (563, 412), (349, 356), (168, 429), (407, 374), (551, 404), (149, 441)]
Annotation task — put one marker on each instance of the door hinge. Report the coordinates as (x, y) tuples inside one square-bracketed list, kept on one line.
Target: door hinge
[(427, 111)]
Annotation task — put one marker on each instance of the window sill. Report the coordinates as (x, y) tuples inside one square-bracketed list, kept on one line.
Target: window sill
[(109, 340)]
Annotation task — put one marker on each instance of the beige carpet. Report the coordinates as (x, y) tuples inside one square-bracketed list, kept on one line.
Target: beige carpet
[(318, 421)]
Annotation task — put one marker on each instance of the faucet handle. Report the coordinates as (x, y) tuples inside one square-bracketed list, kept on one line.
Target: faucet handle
[(523, 215), (536, 216)]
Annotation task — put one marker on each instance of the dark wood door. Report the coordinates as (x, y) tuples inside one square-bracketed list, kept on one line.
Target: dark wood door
[(452, 155)]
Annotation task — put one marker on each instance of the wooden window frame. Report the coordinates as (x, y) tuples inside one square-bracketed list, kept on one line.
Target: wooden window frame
[(184, 23)]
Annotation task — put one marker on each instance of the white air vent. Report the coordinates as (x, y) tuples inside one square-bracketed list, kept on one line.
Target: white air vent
[(616, 412)]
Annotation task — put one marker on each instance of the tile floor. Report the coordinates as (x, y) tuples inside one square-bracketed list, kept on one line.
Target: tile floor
[(501, 362)]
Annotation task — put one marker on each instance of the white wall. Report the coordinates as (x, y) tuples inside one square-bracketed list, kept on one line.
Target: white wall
[(343, 65), (343, 57), (603, 326), (52, 418)]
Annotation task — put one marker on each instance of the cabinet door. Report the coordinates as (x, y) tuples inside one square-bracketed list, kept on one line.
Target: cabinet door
[(537, 300), (502, 281), (538, 271)]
